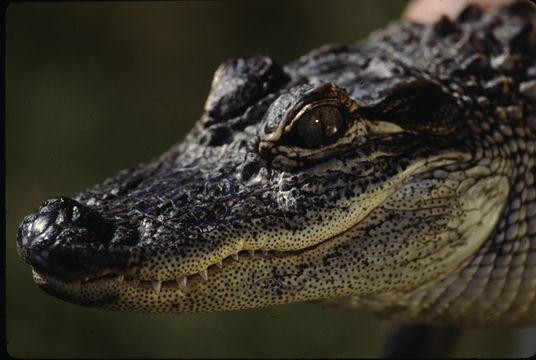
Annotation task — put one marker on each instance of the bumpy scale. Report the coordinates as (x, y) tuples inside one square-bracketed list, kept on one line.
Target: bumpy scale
[(396, 175)]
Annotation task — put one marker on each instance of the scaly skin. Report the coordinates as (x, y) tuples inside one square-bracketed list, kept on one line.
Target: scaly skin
[(395, 176)]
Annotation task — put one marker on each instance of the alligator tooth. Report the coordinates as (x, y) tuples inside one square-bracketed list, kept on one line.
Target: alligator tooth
[(157, 284), (219, 264), (136, 282), (251, 253), (76, 285), (204, 274), (265, 252), (120, 278), (235, 256), (182, 283)]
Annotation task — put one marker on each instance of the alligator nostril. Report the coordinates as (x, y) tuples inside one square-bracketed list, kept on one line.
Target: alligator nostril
[(62, 235)]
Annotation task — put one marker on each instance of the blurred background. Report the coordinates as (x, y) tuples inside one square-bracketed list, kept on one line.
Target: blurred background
[(93, 88)]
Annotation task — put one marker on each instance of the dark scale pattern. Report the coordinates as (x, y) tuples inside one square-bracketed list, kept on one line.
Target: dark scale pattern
[(396, 175)]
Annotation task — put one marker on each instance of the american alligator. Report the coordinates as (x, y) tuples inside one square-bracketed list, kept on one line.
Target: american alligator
[(394, 176)]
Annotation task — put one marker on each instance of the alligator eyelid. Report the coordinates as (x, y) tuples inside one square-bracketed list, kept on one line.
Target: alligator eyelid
[(309, 107)]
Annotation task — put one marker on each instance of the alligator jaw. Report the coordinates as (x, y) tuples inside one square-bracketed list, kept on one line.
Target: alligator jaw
[(278, 275), (115, 290)]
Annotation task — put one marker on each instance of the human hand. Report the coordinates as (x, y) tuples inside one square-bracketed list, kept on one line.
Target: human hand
[(426, 11)]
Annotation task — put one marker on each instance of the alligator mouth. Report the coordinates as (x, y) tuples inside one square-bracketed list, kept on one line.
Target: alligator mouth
[(182, 283), (81, 276), (111, 279)]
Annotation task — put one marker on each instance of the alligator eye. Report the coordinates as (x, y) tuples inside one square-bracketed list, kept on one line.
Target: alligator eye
[(320, 126)]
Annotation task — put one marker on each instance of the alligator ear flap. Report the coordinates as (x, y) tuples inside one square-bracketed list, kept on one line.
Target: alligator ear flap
[(420, 107)]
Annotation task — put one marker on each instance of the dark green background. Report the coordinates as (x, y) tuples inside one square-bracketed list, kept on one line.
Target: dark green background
[(92, 88)]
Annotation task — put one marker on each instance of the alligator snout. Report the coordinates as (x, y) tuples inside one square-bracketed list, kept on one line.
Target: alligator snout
[(65, 238)]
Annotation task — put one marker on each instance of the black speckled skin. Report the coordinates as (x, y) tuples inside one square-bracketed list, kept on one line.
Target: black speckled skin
[(413, 198)]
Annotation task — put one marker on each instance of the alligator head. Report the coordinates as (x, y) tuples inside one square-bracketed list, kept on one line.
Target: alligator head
[(375, 175)]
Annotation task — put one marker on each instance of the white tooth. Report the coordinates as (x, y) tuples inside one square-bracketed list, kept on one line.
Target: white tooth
[(265, 252), (76, 285), (235, 256), (136, 282), (182, 283), (157, 284), (120, 278), (204, 274), (219, 264), (101, 247), (251, 253)]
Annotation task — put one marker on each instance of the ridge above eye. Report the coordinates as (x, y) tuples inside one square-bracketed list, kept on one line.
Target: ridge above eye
[(239, 82)]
